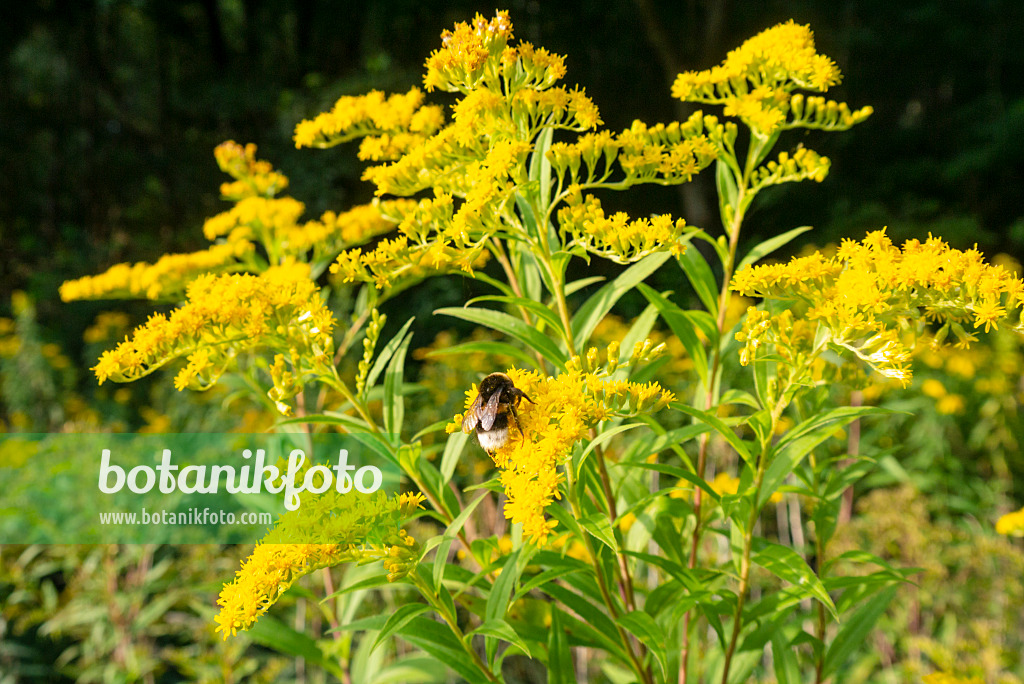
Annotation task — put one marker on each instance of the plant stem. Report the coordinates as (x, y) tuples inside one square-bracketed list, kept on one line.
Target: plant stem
[(710, 398), (748, 533), (453, 625), (635, 660)]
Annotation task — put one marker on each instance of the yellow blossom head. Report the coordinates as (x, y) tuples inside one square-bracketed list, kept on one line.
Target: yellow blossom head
[(757, 80)]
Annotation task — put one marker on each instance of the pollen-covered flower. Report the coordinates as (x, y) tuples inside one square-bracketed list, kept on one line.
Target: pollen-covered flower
[(225, 315), (461, 62), (617, 237), (563, 410), (394, 124), (328, 529), (756, 81), (164, 280), (873, 298)]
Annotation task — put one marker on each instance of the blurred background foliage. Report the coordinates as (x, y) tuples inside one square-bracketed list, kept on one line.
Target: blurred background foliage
[(109, 113)]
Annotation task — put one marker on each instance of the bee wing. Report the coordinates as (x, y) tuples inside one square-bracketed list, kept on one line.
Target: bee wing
[(472, 415), (490, 411)]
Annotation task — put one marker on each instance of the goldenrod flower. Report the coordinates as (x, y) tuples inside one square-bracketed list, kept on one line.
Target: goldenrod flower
[(459, 65), (477, 165), (252, 177), (756, 81), (397, 123), (223, 316), (164, 280), (563, 411), (616, 237), (871, 294), (326, 530)]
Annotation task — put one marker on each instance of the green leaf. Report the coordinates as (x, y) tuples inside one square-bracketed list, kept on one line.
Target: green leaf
[(394, 403), (493, 282), (498, 599), (416, 669), (565, 519), (347, 423), (594, 621), (602, 301), (437, 640), (456, 524), (698, 272), (529, 222), (677, 472), (543, 578), (638, 332), (786, 564), (725, 183), (601, 439), (491, 347), (540, 167), (600, 527), (369, 583), (281, 638), (374, 622), (441, 561), (855, 629), (560, 669), (770, 245), (577, 285), (500, 629), (721, 428), (453, 449), (683, 325), (400, 618), (514, 327), (385, 354), (650, 634), (765, 148), (542, 312), (798, 442)]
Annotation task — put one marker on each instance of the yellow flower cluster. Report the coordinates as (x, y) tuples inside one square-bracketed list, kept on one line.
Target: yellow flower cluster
[(564, 409), (466, 53), (164, 280), (665, 154), (265, 576), (616, 237), (802, 164), (870, 293), (252, 177), (756, 81), (223, 316), (363, 529), (255, 217), (391, 125), (477, 163), (1011, 524), (432, 238)]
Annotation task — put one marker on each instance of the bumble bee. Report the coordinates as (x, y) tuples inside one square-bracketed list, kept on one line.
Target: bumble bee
[(493, 410)]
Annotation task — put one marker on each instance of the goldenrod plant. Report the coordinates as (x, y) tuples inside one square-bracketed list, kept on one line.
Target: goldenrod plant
[(639, 548)]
